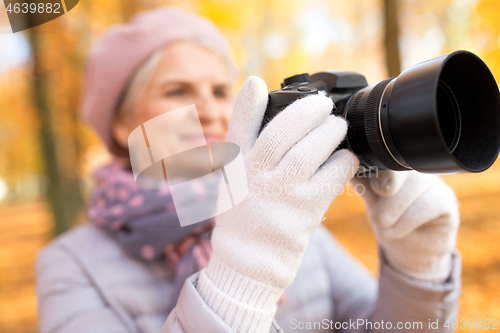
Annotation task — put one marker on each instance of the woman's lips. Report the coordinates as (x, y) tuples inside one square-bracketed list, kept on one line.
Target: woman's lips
[(213, 138), (201, 140)]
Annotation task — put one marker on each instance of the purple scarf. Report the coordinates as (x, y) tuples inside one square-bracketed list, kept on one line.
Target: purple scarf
[(144, 222)]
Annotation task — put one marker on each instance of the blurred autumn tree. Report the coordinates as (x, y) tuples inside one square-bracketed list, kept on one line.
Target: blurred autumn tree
[(58, 51), (391, 37), (58, 146)]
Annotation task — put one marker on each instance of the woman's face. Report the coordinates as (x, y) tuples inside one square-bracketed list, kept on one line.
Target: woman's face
[(187, 74)]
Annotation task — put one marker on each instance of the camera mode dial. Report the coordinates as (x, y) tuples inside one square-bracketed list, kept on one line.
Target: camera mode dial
[(293, 88)]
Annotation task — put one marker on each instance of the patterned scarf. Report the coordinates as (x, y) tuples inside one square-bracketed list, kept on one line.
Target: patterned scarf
[(144, 222)]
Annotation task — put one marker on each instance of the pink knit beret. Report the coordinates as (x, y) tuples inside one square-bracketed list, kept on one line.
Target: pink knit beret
[(119, 52)]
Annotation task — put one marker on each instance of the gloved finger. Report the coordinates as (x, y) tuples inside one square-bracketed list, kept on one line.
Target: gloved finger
[(433, 213), (287, 128), (362, 187), (380, 183), (334, 174), (387, 182), (304, 158), (388, 210), (249, 108)]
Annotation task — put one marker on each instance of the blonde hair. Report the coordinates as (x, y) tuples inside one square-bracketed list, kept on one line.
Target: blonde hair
[(145, 71)]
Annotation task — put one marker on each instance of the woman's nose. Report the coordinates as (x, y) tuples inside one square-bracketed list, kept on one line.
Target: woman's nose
[(206, 105)]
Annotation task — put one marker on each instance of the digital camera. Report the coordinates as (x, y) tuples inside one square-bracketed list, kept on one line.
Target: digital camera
[(440, 116)]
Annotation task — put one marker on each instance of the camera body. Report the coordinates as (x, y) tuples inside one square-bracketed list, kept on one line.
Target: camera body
[(338, 85)]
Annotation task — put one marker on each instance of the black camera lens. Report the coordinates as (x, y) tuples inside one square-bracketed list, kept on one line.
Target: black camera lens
[(440, 116)]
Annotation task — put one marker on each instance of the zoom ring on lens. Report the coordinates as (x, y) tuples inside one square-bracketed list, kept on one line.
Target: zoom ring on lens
[(372, 128), (354, 136)]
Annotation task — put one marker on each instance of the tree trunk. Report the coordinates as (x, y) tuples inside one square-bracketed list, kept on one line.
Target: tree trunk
[(47, 140), (393, 61), (62, 185)]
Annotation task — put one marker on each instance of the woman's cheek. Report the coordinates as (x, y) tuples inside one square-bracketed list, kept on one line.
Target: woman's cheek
[(227, 114)]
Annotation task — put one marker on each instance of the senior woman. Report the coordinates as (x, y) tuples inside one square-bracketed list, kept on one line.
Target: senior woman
[(269, 265)]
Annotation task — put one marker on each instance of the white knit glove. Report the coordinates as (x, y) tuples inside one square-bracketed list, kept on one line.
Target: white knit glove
[(415, 218), (259, 244)]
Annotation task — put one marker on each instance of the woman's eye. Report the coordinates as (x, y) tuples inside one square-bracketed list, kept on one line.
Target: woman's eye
[(220, 93), (176, 92)]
